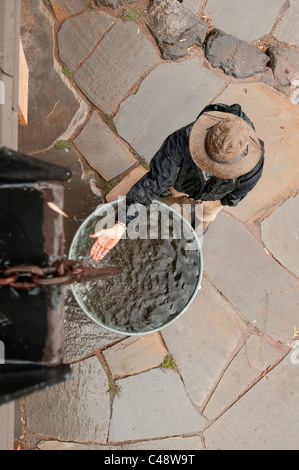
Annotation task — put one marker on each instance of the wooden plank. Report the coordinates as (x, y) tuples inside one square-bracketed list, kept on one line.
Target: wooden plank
[(23, 88)]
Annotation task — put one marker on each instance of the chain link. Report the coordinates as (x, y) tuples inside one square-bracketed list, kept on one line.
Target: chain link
[(64, 273)]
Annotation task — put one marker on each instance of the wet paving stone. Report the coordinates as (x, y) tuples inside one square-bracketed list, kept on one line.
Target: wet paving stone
[(250, 363), (150, 405), (103, 150), (77, 410), (135, 354), (180, 91), (245, 20), (52, 104), (86, 31), (118, 62), (264, 418), (280, 233), (250, 279), (203, 340)]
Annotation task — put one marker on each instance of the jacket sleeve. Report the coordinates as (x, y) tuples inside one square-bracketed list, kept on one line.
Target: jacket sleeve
[(245, 183), (164, 168)]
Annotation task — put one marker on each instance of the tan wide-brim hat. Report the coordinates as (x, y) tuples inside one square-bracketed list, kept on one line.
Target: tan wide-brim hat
[(224, 145)]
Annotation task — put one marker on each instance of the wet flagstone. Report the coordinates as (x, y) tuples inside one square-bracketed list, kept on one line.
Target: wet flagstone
[(118, 62), (76, 410), (135, 354), (280, 233), (276, 121), (203, 340), (86, 31), (102, 149), (52, 104), (179, 92), (150, 405), (245, 20), (64, 8), (171, 443), (250, 279), (248, 366), (265, 418)]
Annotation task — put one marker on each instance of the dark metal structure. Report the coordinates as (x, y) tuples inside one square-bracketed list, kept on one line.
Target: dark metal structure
[(31, 233)]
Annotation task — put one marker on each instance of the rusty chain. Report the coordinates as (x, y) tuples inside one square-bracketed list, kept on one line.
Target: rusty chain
[(63, 273)]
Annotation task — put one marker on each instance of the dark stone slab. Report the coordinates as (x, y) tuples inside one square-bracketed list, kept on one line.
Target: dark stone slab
[(119, 61), (52, 105), (234, 56)]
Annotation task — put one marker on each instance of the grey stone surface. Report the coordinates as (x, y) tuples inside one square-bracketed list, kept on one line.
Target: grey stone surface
[(172, 443), (280, 233), (264, 418), (234, 56), (284, 63), (250, 363), (202, 341), (175, 27), (287, 29), (82, 335), (118, 62), (193, 5), (179, 92), (64, 8), (52, 105), (77, 410), (86, 31), (102, 149), (115, 3), (150, 405), (245, 20), (250, 279)]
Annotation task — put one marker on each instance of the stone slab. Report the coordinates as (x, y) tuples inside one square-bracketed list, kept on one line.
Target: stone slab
[(82, 335), (86, 31), (245, 20), (287, 29), (126, 184), (178, 92), (151, 405), (250, 279), (280, 234), (64, 8), (77, 410), (250, 363), (265, 418), (192, 5), (52, 105), (123, 56), (203, 340), (171, 443), (134, 355), (276, 121), (102, 149)]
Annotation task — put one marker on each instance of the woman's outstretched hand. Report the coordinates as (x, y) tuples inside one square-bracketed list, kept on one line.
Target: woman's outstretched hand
[(106, 239)]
